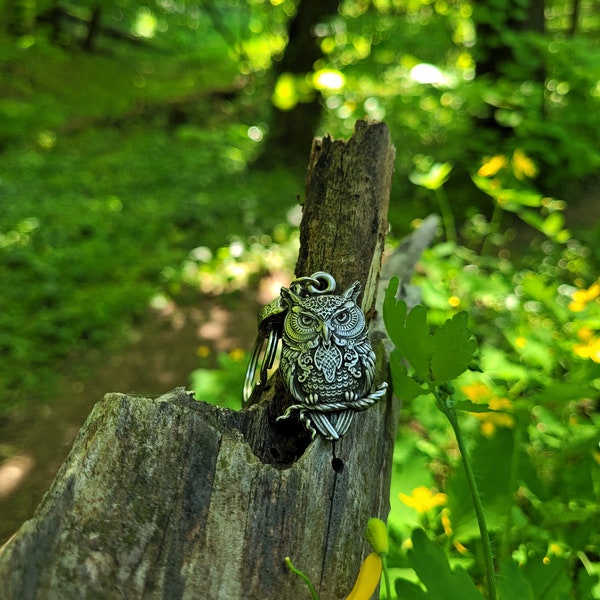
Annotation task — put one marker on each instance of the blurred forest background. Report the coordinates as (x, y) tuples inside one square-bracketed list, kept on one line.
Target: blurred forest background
[(152, 155)]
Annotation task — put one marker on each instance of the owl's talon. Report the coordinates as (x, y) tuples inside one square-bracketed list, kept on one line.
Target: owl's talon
[(312, 398)]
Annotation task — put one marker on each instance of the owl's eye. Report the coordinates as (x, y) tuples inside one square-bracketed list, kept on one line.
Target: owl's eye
[(306, 321), (342, 318)]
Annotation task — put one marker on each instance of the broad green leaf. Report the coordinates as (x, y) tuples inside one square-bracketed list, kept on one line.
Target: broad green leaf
[(453, 349), (409, 332), (431, 565), (405, 387), (548, 581), (394, 315), (406, 589), (418, 341), (512, 583)]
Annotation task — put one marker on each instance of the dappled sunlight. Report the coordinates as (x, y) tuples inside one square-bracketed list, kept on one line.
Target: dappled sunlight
[(13, 471)]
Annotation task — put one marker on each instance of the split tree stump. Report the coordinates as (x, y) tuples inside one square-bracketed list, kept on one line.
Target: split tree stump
[(175, 498)]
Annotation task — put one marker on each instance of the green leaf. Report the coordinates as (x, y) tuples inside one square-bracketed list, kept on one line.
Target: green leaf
[(431, 565), (418, 341), (548, 581), (469, 406), (407, 589), (453, 349), (405, 387), (409, 332), (512, 582), (394, 314)]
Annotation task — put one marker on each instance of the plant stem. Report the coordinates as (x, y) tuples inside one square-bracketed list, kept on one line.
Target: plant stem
[(292, 568), (495, 221), (485, 537), (512, 485), (447, 216), (445, 403), (386, 577)]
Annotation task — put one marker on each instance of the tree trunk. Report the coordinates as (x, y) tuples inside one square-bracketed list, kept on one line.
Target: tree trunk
[(292, 130), (495, 53), (175, 498), (89, 43)]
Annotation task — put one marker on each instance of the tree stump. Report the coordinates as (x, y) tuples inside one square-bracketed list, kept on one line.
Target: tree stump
[(175, 498)]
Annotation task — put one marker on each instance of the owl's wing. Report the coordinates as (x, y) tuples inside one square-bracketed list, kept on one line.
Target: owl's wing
[(289, 370), (367, 359)]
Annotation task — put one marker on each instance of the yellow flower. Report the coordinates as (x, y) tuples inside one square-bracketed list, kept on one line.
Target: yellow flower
[(522, 165), (477, 392), (237, 354), (454, 301), (446, 524), (203, 351), (490, 421), (459, 547), (492, 165), (422, 499), (589, 349), (581, 298), (368, 578), (521, 342)]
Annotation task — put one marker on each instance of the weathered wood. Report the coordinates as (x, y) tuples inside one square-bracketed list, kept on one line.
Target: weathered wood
[(344, 221), (174, 498)]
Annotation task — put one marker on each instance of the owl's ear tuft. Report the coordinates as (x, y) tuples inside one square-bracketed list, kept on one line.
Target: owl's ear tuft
[(352, 292), (289, 298)]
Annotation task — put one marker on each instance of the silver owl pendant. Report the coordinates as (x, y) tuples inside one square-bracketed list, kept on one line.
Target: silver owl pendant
[(327, 361)]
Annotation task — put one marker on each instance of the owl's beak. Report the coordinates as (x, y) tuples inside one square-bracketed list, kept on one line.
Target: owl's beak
[(325, 332)]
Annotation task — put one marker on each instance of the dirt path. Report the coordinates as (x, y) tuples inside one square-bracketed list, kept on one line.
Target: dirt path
[(161, 356)]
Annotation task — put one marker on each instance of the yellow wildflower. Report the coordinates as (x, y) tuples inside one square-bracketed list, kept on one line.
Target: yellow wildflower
[(581, 298), (368, 578), (589, 349), (203, 351), (492, 165), (422, 499), (522, 165), (490, 421), (477, 391), (454, 301), (521, 342), (462, 549), (237, 354), (446, 524)]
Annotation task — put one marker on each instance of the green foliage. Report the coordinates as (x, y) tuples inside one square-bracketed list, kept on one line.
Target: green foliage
[(94, 226), (221, 385), (531, 432), (126, 174), (431, 566), (436, 358)]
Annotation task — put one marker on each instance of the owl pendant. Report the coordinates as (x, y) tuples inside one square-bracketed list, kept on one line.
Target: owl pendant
[(327, 361)]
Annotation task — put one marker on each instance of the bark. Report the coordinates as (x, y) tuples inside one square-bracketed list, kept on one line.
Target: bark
[(175, 498)]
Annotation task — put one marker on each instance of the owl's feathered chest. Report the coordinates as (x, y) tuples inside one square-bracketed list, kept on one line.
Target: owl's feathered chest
[(327, 368)]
